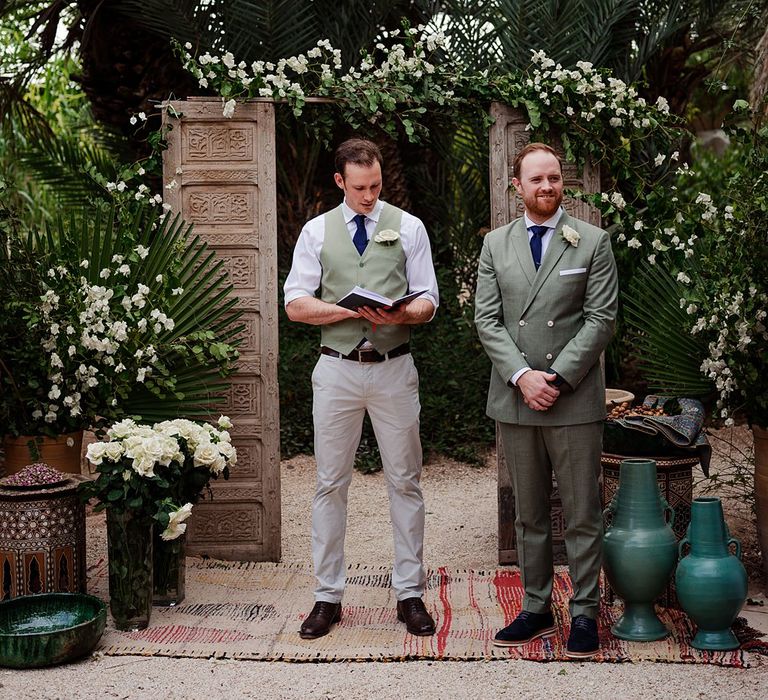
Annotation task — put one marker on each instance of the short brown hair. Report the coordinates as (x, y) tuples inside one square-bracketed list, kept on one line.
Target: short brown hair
[(357, 151), (530, 148)]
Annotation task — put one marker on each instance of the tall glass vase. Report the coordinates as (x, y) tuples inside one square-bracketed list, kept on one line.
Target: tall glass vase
[(169, 570), (129, 547)]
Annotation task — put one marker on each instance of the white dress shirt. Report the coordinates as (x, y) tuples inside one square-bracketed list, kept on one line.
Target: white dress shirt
[(551, 224), (306, 272)]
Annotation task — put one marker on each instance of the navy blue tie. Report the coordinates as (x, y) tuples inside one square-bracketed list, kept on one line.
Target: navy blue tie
[(361, 237), (538, 233)]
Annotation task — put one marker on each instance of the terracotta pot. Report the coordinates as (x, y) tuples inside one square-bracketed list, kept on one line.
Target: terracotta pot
[(760, 436), (62, 452)]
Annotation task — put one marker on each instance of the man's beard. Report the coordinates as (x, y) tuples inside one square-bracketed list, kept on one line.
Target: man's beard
[(543, 208)]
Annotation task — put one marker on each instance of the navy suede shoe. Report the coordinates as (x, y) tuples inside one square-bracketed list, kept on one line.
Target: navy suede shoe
[(526, 627), (583, 640)]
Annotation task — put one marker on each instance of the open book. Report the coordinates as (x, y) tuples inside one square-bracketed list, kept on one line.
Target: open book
[(359, 296)]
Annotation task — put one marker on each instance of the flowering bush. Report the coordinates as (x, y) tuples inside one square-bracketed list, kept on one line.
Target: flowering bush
[(110, 318), (724, 287), (710, 246), (159, 471), (388, 89)]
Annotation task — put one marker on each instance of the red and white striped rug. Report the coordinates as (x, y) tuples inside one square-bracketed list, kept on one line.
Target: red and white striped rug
[(246, 610)]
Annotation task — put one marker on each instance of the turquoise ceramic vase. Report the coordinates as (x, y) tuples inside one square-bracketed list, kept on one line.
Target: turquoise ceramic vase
[(711, 582), (639, 550)]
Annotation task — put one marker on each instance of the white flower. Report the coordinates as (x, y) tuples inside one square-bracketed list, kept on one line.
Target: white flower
[(96, 451), (227, 451), (122, 429), (229, 109), (205, 455), (659, 159), (142, 253), (176, 524), (571, 235), (386, 237), (224, 422), (113, 451)]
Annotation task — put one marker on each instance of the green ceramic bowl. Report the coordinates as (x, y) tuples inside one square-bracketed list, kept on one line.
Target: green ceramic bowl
[(49, 628)]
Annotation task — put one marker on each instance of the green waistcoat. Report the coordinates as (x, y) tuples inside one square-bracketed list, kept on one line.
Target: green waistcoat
[(381, 268)]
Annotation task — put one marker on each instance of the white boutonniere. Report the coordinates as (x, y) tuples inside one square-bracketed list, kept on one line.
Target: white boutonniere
[(386, 237), (571, 235)]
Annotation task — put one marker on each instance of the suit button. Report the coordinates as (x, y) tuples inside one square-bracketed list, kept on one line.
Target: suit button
[(550, 323), (362, 264), (549, 355), (522, 323)]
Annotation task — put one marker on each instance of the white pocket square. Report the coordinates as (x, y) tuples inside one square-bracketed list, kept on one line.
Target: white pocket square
[(574, 271)]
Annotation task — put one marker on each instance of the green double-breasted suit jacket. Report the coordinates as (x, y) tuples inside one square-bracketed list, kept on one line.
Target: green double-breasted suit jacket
[(560, 317)]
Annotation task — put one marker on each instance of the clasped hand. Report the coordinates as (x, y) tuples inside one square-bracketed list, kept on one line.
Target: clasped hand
[(393, 317), (538, 393)]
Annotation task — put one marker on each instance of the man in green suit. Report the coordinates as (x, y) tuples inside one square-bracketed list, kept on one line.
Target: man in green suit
[(545, 310)]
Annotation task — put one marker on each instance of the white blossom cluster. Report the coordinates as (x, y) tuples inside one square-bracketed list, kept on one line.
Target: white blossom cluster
[(144, 450), (737, 324), (600, 96), (318, 72), (96, 337)]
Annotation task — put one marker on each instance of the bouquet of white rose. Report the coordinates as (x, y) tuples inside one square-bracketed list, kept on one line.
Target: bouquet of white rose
[(159, 471)]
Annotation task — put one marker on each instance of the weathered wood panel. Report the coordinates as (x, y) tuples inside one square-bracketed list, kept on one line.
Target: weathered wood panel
[(225, 185)]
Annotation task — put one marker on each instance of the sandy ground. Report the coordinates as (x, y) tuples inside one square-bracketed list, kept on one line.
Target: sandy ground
[(460, 533)]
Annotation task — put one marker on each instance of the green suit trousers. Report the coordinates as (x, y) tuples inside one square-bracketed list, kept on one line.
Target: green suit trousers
[(573, 451)]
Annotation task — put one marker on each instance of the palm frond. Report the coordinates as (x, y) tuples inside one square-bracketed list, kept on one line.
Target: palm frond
[(669, 357), (65, 165), (206, 303)]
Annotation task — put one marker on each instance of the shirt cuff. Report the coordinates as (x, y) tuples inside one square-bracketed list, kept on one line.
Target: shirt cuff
[(295, 294), (517, 375)]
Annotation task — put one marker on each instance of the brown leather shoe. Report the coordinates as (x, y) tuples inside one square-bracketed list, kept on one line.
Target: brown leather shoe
[(320, 620), (417, 620)]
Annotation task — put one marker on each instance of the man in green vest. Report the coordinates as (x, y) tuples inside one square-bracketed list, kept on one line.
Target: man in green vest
[(545, 310), (364, 365)]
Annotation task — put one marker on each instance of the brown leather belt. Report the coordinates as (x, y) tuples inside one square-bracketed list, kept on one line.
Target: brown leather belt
[(368, 355)]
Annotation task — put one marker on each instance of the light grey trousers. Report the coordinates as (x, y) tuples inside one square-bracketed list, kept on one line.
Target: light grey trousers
[(343, 391)]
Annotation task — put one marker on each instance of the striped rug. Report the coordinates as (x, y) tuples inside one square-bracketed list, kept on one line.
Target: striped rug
[(253, 611)]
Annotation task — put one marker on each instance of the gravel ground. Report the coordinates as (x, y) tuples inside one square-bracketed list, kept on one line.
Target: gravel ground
[(460, 533)]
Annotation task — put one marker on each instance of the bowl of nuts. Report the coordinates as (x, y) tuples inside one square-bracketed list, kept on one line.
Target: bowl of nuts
[(615, 397), (623, 428)]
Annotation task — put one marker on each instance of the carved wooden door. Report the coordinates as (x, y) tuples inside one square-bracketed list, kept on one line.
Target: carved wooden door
[(508, 136), (224, 173)]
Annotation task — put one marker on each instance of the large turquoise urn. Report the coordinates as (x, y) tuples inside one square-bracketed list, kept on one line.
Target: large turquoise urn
[(639, 550), (711, 582)]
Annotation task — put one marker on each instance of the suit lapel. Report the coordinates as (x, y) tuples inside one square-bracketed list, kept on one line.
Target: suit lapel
[(522, 248), (555, 250)]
